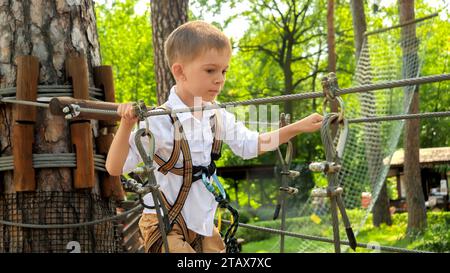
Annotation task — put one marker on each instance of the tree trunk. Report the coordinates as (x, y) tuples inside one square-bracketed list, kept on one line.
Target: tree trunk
[(372, 135), (359, 25), (166, 16), (415, 200), (50, 31), (331, 37)]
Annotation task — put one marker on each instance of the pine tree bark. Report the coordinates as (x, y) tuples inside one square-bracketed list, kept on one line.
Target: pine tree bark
[(359, 24), (331, 37), (166, 16), (51, 31), (415, 200)]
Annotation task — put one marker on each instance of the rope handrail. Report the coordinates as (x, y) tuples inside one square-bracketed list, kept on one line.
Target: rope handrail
[(323, 239), (400, 117), (410, 22), (274, 99)]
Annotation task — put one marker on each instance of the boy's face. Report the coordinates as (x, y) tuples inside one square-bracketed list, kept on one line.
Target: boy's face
[(205, 75)]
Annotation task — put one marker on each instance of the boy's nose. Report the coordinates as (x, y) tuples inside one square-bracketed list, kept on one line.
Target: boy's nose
[(220, 79)]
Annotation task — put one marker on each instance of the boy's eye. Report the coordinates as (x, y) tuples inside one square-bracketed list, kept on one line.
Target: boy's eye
[(224, 72), (210, 71)]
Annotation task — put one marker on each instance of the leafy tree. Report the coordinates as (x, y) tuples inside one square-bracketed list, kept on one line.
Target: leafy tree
[(126, 43)]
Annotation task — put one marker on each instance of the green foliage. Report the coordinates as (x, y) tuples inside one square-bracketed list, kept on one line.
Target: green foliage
[(391, 184), (126, 44), (437, 235)]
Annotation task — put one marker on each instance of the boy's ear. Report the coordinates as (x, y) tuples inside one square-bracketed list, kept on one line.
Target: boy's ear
[(178, 72)]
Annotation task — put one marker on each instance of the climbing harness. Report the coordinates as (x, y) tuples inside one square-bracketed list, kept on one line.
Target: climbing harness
[(190, 175)]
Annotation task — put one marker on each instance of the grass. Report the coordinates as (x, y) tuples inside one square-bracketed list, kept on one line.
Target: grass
[(436, 237)]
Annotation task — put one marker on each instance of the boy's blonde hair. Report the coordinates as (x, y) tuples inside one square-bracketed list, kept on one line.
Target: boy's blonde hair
[(191, 39)]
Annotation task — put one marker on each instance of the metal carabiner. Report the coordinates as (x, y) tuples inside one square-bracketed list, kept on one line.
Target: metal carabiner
[(147, 158)]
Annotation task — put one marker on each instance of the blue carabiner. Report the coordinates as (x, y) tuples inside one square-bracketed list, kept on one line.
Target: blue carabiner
[(210, 186)]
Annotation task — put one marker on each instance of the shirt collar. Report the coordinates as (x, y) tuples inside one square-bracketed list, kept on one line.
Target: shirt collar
[(174, 102)]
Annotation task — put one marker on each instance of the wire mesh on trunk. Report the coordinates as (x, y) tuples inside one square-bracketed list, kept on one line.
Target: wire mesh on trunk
[(50, 208)]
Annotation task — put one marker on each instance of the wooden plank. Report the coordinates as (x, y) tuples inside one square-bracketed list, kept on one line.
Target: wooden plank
[(77, 73), (103, 79), (82, 140), (24, 175), (26, 87), (111, 185)]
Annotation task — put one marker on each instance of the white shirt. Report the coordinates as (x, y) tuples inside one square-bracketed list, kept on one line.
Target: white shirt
[(200, 206)]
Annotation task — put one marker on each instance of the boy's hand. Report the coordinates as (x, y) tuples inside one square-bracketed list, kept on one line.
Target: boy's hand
[(311, 123), (126, 111)]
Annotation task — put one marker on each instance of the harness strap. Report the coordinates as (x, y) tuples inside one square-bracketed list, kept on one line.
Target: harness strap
[(187, 171), (170, 164), (216, 128), (175, 209), (157, 242)]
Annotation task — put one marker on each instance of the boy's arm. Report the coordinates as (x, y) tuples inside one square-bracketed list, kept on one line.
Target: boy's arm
[(271, 140), (119, 149)]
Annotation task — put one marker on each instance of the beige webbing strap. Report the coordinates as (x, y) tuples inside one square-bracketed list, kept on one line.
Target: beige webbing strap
[(175, 211), (216, 128), (167, 166), (174, 170)]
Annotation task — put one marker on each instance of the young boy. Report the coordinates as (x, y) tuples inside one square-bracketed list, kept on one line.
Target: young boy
[(198, 55)]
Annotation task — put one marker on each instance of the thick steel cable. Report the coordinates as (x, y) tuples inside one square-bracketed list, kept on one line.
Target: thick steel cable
[(82, 224), (394, 84), (282, 98), (62, 160), (424, 115), (322, 239), (400, 117), (310, 95), (52, 91)]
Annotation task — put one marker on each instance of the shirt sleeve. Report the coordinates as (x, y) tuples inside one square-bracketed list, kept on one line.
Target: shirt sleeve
[(158, 126), (242, 141)]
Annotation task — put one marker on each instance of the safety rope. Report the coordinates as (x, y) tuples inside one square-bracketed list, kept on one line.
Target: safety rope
[(333, 156), (324, 239)]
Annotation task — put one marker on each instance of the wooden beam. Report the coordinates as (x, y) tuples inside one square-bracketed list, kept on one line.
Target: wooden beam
[(84, 176), (24, 120), (26, 87), (103, 78), (24, 175)]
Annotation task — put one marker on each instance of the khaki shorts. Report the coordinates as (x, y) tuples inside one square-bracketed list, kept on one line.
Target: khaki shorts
[(175, 239)]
